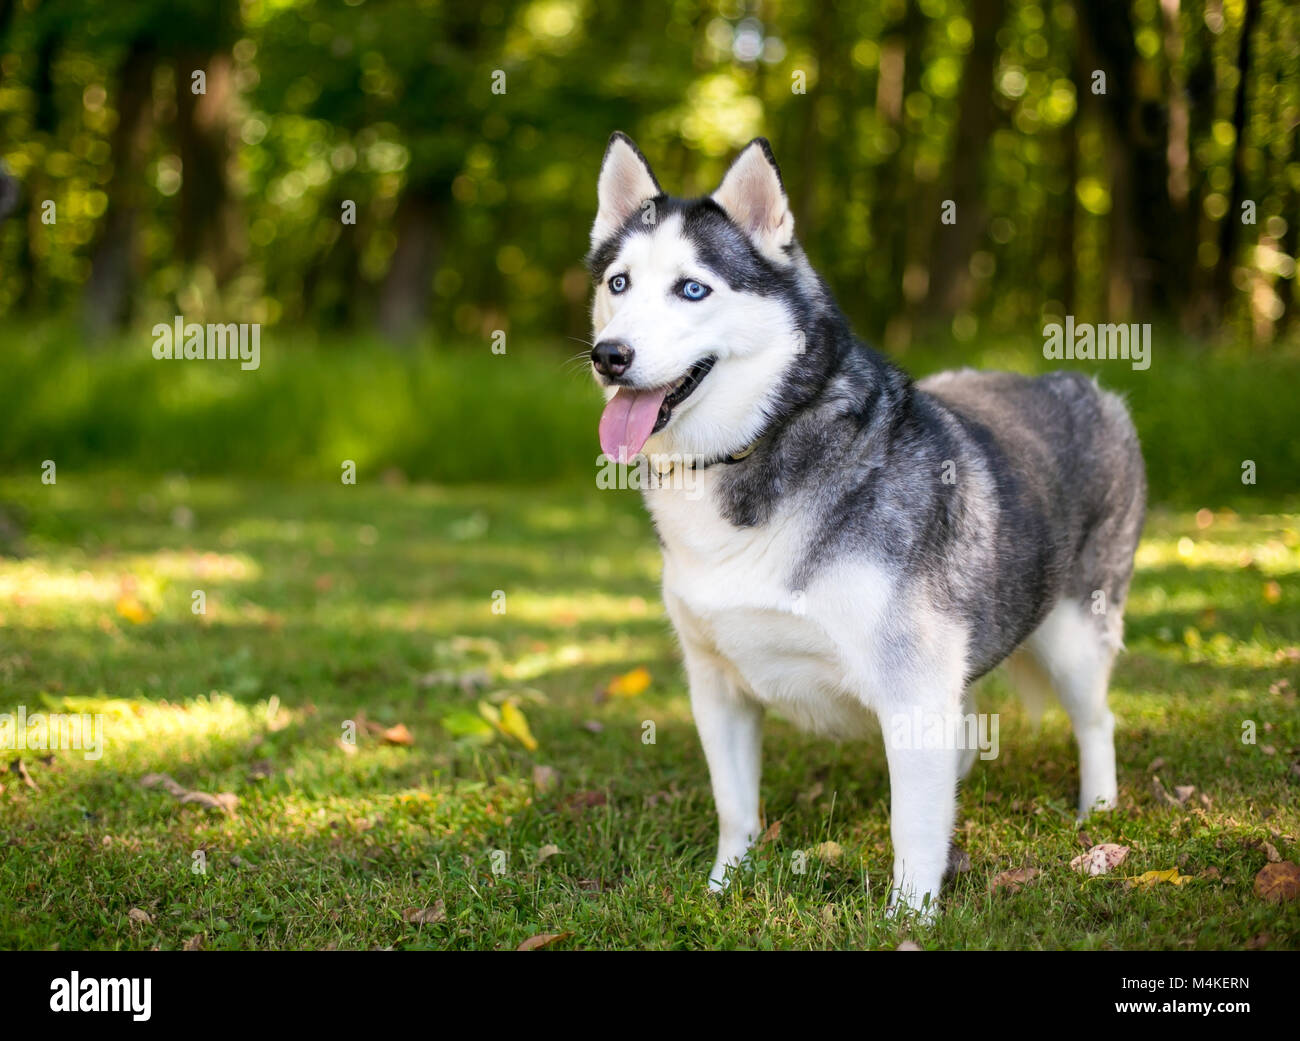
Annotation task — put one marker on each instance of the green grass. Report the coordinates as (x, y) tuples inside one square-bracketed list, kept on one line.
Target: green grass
[(327, 601)]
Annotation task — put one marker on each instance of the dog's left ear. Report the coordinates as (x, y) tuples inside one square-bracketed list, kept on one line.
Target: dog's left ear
[(753, 196)]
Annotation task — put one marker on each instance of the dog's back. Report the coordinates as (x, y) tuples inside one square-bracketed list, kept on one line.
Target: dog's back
[(1065, 451)]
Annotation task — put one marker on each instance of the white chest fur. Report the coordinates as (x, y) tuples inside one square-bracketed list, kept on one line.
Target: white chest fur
[(812, 654)]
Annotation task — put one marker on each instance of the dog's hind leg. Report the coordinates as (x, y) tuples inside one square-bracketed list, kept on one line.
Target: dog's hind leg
[(1076, 649), (730, 726)]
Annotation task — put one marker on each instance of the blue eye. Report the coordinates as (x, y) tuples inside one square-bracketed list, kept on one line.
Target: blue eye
[(618, 283), (693, 290)]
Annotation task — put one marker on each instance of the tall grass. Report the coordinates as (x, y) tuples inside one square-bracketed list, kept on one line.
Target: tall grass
[(459, 414)]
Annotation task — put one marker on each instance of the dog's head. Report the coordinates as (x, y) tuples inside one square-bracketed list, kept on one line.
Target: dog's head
[(696, 313)]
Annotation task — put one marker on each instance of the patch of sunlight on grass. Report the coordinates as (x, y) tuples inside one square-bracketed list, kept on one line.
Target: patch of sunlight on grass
[(104, 579), (1148, 599), (1271, 555), (566, 609), (568, 655), (139, 732)]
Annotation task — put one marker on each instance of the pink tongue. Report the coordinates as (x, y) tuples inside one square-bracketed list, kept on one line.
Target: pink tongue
[(628, 420)]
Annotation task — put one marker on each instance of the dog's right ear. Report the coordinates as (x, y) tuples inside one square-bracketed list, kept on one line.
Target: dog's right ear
[(625, 183)]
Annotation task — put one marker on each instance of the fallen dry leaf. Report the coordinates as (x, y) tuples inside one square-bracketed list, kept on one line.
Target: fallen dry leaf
[(1162, 796), (426, 916), (586, 799), (398, 735), (1151, 878), (20, 768), (137, 915), (1278, 883), (1100, 859), (1012, 880), (772, 833), (194, 943), (225, 801), (830, 851), (630, 684), (1270, 851), (813, 793), (515, 724), (132, 610), (536, 943), (547, 851), (908, 945)]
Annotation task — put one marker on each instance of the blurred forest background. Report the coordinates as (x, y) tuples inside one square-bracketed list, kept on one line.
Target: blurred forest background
[(468, 137)]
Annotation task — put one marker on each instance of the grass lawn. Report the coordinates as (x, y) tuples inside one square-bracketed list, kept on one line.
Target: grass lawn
[(374, 604)]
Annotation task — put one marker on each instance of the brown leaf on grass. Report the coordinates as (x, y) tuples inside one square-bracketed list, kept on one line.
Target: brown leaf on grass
[(1270, 851), (139, 916), (1012, 880), (20, 768), (772, 834), (586, 799), (398, 735), (1183, 792), (1100, 859), (830, 851), (1156, 765), (536, 943), (426, 916), (908, 945), (1085, 840), (1210, 874), (813, 793), (1258, 943), (194, 943), (547, 851), (225, 801), (1162, 796), (1278, 883)]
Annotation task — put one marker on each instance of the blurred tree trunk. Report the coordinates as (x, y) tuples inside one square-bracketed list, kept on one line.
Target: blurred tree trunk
[(404, 294), (26, 204), (210, 230), (952, 245), (107, 303), (1149, 244), (1231, 230)]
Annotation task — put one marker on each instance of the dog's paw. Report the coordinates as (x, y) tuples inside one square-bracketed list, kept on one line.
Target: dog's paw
[(906, 907)]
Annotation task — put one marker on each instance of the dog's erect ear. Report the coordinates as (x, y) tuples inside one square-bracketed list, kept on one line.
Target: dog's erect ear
[(754, 197), (625, 183)]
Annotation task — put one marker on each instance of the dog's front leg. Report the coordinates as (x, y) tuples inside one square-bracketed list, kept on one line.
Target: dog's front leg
[(730, 725), (923, 806)]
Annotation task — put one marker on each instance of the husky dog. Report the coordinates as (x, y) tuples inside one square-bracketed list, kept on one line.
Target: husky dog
[(864, 546)]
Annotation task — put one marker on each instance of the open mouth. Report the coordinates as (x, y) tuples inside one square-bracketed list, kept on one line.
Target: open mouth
[(632, 416), (681, 390)]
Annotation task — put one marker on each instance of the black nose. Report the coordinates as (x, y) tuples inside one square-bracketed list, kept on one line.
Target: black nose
[(611, 357)]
